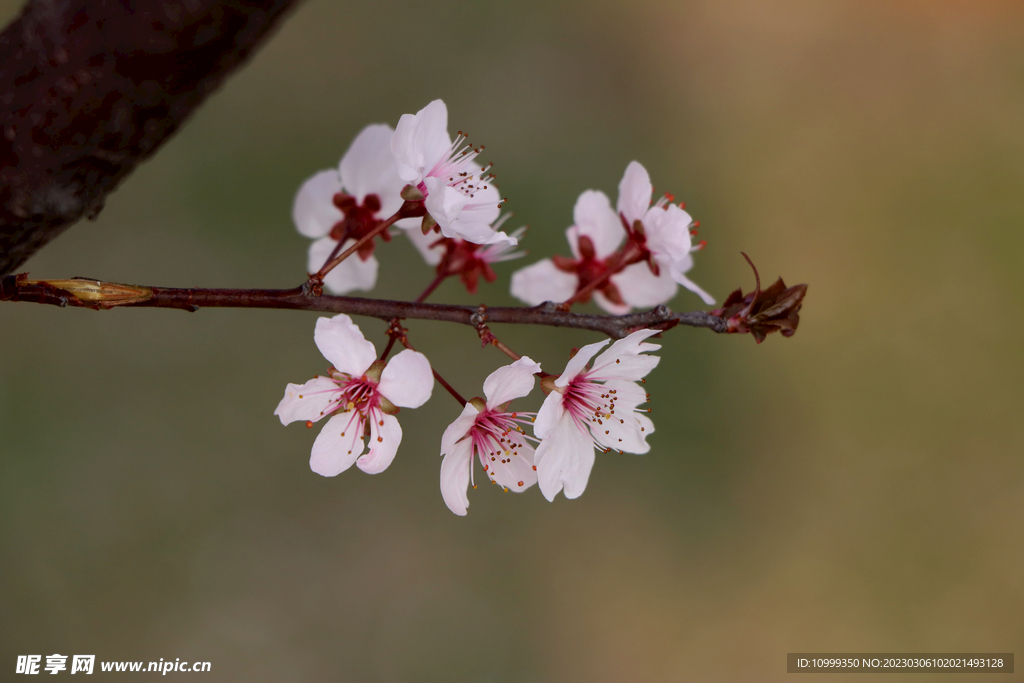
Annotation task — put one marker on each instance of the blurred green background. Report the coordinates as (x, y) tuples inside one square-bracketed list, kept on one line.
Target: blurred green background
[(859, 487)]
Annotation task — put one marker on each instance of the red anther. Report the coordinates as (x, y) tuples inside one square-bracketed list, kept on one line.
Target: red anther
[(696, 224), (309, 423), (669, 196), (693, 232), (701, 245)]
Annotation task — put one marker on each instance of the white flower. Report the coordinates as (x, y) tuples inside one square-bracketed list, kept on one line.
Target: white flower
[(488, 429), (662, 245), (361, 395), (459, 194), (346, 204), (593, 407), (666, 227)]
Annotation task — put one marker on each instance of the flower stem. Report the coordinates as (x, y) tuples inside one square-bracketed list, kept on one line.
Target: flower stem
[(440, 380), (441, 276), (407, 210)]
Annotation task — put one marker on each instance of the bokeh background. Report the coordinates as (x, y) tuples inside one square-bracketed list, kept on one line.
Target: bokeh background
[(858, 487)]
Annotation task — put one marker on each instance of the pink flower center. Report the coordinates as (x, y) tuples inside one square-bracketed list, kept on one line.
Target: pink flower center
[(360, 397), (589, 403), (497, 437)]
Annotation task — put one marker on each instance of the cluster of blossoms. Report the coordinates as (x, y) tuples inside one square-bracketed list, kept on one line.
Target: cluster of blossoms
[(419, 180)]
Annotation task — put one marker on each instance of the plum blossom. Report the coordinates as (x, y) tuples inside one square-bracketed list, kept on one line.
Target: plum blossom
[(593, 407), (360, 394), (459, 194), (488, 429), (346, 203), (456, 256), (664, 228), (645, 270)]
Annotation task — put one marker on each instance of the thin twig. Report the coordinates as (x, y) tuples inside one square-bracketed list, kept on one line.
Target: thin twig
[(18, 288)]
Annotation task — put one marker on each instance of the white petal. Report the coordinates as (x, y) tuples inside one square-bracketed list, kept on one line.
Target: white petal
[(458, 429), (512, 381), (407, 381), (342, 343), (613, 308), (338, 445), (594, 217), (309, 401), (678, 276), (668, 233), (427, 245), (634, 192), (542, 282), (579, 361), (623, 361), (368, 167), (314, 211), (549, 415), (564, 460), (626, 430), (444, 204), (421, 140), (641, 288), (455, 470), (513, 471), (351, 274), (384, 442)]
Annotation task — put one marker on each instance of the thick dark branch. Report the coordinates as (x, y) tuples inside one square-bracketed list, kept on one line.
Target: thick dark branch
[(89, 89), (93, 294)]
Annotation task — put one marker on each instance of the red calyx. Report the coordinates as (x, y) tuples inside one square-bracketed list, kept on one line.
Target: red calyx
[(359, 220)]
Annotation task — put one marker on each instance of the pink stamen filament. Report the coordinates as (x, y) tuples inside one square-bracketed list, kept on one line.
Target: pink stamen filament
[(495, 434), (586, 401), (361, 398)]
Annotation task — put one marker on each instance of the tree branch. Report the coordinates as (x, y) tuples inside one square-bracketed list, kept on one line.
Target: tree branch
[(103, 295), (90, 89)]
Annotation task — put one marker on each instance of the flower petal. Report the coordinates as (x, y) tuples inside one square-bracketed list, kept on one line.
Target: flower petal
[(542, 282), (641, 288), (579, 361), (351, 274), (342, 343), (512, 381), (420, 140), (623, 361), (443, 203), (368, 167), (564, 460), (594, 217), (634, 192), (385, 438), (627, 429), (549, 415), (309, 401), (337, 446), (455, 471), (430, 246), (407, 381), (613, 308), (668, 233), (678, 275), (314, 211), (512, 470), (459, 428)]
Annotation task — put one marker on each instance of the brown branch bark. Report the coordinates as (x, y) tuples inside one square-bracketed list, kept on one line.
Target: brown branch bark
[(94, 294), (89, 89)]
